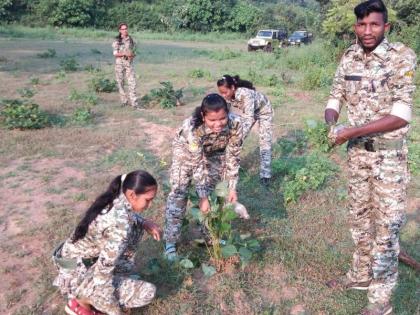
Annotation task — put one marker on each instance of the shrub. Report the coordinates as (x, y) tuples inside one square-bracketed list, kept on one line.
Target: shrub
[(50, 53), (69, 64), (224, 54), (199, 73), (317, 134), (86, 98), (165, 96), (34, 80), (101, 84), (316, 77), (18, 114), (26, 92)]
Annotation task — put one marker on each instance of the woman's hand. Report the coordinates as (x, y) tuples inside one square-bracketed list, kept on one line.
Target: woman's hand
[(232, 196), (204, 205), (153, 229)]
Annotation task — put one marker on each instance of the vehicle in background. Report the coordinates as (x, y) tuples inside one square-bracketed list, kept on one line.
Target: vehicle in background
[(267, 40), (300, 37)]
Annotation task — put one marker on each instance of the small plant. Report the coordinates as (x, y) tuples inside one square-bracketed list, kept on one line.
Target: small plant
[(26, 92), (227, 246), (199, 73), (87, 98), (224, 54), (69, 64), (317, 134), (34, 80), (61, 75), (101, 84), (18, 114), (165, 96), (50, 53), (82, 116)]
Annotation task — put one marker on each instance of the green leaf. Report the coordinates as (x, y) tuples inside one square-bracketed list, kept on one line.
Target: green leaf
[(229, 215), (208, 270), (197, 214), (229, 250), (222, 189), (253, 245), (224, 228), (245, 254), (186, 263)]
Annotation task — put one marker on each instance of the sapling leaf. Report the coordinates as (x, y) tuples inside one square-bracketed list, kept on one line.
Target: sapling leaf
[(186, 263), (228, 215), (229, 251), (208, 270), (245, 254)]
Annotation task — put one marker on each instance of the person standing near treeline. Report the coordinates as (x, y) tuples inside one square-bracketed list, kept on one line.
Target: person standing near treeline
[(124, 53), (255, 106), (375, 81)]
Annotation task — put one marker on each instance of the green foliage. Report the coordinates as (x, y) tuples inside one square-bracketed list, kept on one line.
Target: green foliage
[(224, 54), (26, 92), (199, 73), (414, 151), (5, 6), (316, 77), (165, 96), (82, 116), (50, 53), (34, 80), (87, 98), (317, 134), (18, 114), (101, 84), (69, 64)]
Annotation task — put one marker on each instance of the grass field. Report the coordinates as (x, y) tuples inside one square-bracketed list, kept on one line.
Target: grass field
[(49, 177)]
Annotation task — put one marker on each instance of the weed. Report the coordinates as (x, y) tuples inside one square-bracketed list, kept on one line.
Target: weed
[(224, 54), (199, 73), (61, 75), (317, 134), (165, 96), (101, 84), (34, 80), (50, 53), (69, 64), (87, 98), (26, 92), (82, 116), (19, 114)]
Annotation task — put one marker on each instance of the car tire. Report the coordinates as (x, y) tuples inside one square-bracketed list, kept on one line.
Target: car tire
[(250, 48), (268, 48)]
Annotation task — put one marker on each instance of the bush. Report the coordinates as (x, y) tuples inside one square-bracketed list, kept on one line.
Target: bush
[(199, 73), (69, 64), (50, 53), (82, 116), (19, 114), (101, 84), (86, 98), (165, 96), (26, 92), (316, 77), (317, 134)]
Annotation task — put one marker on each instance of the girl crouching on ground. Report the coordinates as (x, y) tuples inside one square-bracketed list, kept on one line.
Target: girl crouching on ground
[(207, 149), (255, 106), (96, 261)]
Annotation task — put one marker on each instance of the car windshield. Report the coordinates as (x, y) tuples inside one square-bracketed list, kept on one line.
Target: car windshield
[(298, 34), (264, 34)]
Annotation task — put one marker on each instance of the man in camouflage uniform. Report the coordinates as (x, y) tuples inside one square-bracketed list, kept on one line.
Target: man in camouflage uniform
[(102, 277), (123, 50), (205, 156), (375, 81)]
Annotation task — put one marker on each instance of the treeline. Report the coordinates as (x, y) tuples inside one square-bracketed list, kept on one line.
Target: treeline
[(165, 15)]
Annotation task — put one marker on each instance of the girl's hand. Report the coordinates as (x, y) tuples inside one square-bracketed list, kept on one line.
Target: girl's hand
[(232, 196), (153, 229), (204, 205)]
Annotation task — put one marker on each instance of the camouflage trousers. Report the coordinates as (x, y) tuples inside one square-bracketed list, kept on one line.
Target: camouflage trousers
[(122, 292), (125, 68), (265, 130), (377, 198), (180, 179)]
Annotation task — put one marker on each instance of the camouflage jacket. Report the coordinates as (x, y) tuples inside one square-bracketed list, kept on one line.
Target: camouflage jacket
[(125, 45), (112, 238), (250, 102), (202, 142), (376, 85)]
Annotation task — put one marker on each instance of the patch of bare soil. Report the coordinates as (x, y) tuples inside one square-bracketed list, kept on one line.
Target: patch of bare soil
[(27, 187)]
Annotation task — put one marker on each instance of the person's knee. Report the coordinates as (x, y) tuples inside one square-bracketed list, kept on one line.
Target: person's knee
[(151, 291)]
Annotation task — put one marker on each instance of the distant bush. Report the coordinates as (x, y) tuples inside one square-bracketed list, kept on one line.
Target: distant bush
[(18, 114), (26, 92), (87, 98), (224, 54), (82, 116), (199, 73), (69, 64), (316, 77), (34, 80), (165, 96), (50, 53), (101, 84)]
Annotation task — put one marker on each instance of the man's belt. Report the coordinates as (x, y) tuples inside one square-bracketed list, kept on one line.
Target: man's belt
[(374, 145)]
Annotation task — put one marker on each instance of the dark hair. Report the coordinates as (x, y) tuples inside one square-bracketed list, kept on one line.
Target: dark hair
[(119, 37), (229, 81), (140, 181), (363, 9), (211, 103)]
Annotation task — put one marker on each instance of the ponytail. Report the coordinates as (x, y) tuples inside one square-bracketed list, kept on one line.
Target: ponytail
[(235, 81)]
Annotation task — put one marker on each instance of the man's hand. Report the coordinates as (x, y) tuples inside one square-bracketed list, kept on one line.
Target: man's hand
[(153, 229), (204, 205), (343, 136), (232, 196)]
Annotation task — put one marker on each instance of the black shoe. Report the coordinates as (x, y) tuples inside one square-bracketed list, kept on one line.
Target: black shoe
[(265, 181)]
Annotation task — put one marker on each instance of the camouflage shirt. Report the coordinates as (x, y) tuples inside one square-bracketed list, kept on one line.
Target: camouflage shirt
[(202, 142), (249, 102), (112, 238), (125, 45), (375, 86)]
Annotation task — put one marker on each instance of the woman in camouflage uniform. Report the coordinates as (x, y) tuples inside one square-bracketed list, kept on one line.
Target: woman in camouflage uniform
[(206, 148), (96, 261), (123, 50), (255, 106)]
